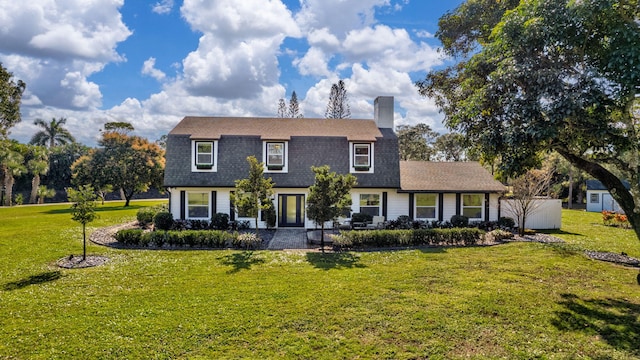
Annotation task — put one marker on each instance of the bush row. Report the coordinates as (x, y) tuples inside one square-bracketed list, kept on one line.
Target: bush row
[(415, 237), (188, 238)]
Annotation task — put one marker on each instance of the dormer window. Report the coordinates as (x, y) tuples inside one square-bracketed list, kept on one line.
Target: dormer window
[(275, 157), (361, 157), (204, 156)]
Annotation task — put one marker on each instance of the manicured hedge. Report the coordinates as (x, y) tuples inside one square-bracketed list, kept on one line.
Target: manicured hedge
[(417, 237), (187, 238)]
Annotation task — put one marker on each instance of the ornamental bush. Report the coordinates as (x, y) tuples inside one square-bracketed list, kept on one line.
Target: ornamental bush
[(190, 238), (220, 221), (247, 241), (459, 221), (415, 237), (163, 220), (129, 236)]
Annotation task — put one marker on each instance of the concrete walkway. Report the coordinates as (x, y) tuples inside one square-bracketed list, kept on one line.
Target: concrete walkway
[(289, 239)]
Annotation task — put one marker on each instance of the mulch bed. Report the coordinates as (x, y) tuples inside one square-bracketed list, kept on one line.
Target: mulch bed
[(76, 261), (622, 259)]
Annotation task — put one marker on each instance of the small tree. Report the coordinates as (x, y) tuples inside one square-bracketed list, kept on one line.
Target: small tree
[(282, 108), (253, 194), (44, 192), (294, 107), (83, 210), (328, 197), (526, 191)]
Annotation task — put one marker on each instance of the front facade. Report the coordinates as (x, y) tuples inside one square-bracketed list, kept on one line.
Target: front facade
[(205, 155), (599, 198)]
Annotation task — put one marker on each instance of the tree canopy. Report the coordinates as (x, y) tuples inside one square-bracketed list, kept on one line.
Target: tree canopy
[(253, 194), (10, 98), (128, 163), (415, 142), (53, 133), (544, 75), (328, 197)]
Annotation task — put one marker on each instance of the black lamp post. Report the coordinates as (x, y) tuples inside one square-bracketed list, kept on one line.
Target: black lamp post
[(4, 189)]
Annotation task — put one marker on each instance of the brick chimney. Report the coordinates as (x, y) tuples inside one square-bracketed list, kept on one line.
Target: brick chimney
[(383, 112)]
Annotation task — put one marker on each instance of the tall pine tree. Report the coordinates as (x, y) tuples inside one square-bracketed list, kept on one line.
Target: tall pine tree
[(338, 106)]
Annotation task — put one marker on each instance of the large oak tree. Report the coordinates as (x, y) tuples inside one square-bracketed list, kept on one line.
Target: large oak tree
[(543, 75)]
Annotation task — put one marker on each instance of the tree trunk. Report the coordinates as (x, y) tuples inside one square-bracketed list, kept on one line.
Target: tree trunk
[(570, 200), (35, 182), (615, 186), (122, 196), (322, 237), (84, 242), (257, 229), (8, 195)]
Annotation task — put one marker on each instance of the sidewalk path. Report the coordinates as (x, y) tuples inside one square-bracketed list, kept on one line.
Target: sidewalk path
[(289, 239)]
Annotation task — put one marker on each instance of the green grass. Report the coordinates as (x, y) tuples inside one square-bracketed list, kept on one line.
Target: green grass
[(519, 300)]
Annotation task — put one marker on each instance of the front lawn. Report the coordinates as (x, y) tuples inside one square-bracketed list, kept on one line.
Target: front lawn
[(519, 300)]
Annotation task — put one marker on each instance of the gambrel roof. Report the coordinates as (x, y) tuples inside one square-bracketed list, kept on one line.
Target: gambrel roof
[(425, 176)]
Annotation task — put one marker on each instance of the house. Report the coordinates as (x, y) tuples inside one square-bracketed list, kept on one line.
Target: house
[(205, 155), (599, 198)]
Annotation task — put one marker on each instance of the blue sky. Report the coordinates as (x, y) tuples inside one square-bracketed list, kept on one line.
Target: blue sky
[(151, 63)]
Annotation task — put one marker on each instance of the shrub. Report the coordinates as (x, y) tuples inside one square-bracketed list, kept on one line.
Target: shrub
[(382, 238), (247, 241), (361, 217), (270, 217), (499, 235), (145, 216), (157, 238), (459, 221), (506, 223), (198, 225), (129, 236), (220, 221), (243, 225), (163, 220), (18, 199)]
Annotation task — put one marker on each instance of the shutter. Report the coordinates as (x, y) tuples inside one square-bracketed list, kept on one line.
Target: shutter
[(183, 207), (440, 206), (411, 205), (458, 203), (384, 205), (214, 204), (486, 207)]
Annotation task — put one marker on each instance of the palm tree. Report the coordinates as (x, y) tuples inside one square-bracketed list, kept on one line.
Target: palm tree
[(37, 165), (52, 133)]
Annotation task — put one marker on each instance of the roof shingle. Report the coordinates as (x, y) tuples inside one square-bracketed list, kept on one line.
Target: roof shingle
[(276, 128), (446, 177)]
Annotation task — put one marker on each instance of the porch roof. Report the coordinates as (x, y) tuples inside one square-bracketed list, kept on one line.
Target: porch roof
[(426, 176)]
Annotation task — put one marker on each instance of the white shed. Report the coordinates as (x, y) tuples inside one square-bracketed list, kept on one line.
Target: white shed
[(599, 198)]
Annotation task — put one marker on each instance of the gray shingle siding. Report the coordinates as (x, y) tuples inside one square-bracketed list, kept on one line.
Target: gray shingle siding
[(303, 152)]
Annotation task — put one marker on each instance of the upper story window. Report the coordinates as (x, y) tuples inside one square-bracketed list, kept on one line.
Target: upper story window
[(275, 156), (426, 205), (595, 198), (361, 157), (472, 205), (204, 156)]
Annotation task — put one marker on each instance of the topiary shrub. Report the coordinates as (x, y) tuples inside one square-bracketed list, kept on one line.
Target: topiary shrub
[(220, 221), (506, 223), (163, 220), (459, 221)]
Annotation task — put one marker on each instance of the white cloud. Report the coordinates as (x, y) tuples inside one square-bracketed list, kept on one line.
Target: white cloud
[(314, 63), (148, 68), (338, 15), (162, 7), (424, 34)]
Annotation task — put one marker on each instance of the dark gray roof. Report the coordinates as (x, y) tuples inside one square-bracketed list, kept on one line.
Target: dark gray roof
[(597, 185)]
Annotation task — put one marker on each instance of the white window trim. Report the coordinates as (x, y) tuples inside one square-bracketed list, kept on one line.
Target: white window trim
[(482, 205), (194, 149), (199, 193), (371, 193), (415, 207), (352, 168), (285, 159)]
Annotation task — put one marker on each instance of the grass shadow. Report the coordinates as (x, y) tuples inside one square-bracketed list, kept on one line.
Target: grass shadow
[(558, 232), (328, 261), (615, 321), (99, 208), (240, 261), (41, 278)]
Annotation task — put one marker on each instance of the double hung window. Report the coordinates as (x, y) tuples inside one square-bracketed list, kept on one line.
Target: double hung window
[(275, 155), (426, 206), (472, 206), (370, 204)]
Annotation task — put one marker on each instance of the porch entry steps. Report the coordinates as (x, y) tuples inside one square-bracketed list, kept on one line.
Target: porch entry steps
[(289, 239)]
